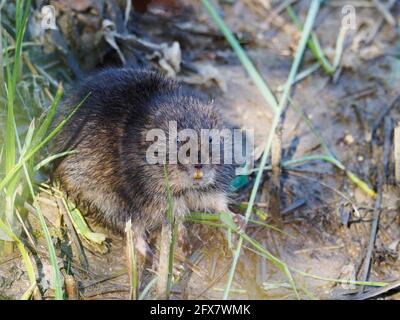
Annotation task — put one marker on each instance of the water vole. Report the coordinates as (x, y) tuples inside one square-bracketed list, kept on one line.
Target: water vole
[(110, 175)]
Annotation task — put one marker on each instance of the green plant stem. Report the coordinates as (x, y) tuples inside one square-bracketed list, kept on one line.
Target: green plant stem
[(314, 7), (51, 158), (49, 242), (313, 43), (172, 228), (21, 16), (307, 38), (33, 150), (328, 158), (211, 219), (146, 290), (341, 281), (299, 161), (24, 253), (306, 274), (28, 293), (241, 54), (339, 46), (272, 258), (174, 231), (132, 262)]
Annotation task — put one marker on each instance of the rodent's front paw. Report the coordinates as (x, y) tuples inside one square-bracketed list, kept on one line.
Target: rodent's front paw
[(240, 222)]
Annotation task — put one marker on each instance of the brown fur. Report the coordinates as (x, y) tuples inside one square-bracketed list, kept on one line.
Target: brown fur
[(109, 175)]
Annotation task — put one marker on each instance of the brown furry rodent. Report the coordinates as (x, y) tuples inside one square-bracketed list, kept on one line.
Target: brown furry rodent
[(109, 175)]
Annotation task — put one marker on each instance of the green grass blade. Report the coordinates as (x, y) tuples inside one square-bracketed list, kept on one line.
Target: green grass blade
[(24, 253), (40, 133), (132, 265), (21, 19), (241, 54), (228, 221), (341, 281), (146, 290), (28, 137), (174, 230), (10, 135), (51, 158), (10, 146), (28, 292), (46, 232), (80, 224), (33, 150), (313, 10), (361, 184), (313, 43), (317, 277), (280, 264)]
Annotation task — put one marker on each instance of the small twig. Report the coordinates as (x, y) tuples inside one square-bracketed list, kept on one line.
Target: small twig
[(32, 242), (307, 250), (294, 206), (275, 184), (73, 235), (378, 25), (107, 278), (384, 112), (341, 194), (10, 258), (374, 230), (376, 292), (306, 274), (385, 12), (357, 95), (101, 292), (387, 147)]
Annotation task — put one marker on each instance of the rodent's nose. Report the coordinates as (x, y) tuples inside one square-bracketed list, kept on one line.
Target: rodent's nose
[(198, 166)]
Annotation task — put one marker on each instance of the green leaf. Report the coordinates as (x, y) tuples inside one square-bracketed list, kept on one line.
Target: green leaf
[(49, 117), (80, 224), (227, 219)]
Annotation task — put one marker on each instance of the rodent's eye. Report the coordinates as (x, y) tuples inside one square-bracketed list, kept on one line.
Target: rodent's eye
[(178, 141)]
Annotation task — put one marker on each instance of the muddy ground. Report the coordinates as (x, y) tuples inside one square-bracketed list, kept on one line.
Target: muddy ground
[(325, 236)]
